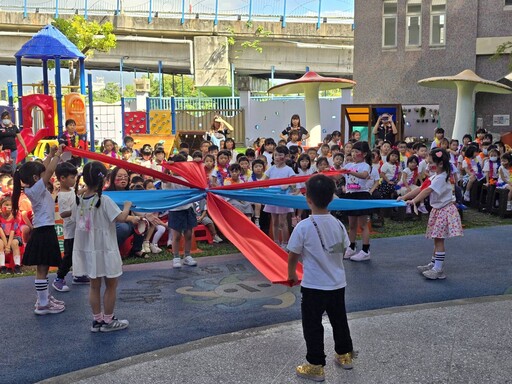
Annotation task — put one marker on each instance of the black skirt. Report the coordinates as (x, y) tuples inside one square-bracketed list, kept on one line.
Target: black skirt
[(358, 196), (43, 247)]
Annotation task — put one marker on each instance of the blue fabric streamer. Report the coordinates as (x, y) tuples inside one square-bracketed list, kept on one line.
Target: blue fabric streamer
[(162, 200)]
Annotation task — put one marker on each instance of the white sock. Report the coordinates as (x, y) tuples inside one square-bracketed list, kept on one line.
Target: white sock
[(17, 259), (42, 291), (2, 259), (438, 263)]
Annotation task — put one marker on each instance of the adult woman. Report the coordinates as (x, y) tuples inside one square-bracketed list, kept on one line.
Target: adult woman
[(385, 128), (295, 124), (219, 129), (119, 181), (8, 135)]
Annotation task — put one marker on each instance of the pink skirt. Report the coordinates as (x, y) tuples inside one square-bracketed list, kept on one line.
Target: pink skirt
[(444, 223)]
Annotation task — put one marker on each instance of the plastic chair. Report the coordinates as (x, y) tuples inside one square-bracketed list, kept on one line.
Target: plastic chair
[(202, 233)]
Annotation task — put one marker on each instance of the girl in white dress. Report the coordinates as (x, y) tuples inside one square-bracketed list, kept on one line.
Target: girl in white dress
[(95, 250)]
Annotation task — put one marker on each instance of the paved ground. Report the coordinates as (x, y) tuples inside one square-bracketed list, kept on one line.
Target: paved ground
[(201, 321)]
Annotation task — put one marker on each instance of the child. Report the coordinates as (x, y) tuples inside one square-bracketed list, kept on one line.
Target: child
[(293, 138), (126, 154), (444, 220), (182, 221), (322, 164), (235, 171), (321, 242), (270, 146), (337, 162), (66, 174), (504, 178), (10, 235), (203, 218), (221, 171), (472, 168), (42, 248), (438, 136), (258, 169), (491, 166), (279, 214), (302, 168), (146, 159), (390, 174), (95, 250), (410, 176), (108, 149), (246, 168), (71, 139), (357, 188), (209, 165)]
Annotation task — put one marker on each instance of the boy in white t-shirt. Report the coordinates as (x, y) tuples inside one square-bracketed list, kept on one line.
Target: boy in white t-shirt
[(66, 174), (321, 242)]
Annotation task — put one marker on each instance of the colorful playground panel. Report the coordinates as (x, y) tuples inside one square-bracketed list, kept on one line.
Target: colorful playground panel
[(135, 123), (160, 122), (75, 109)]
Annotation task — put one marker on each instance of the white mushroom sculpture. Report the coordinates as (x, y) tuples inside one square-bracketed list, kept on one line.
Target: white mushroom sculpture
[(467, 84), (310, 85)]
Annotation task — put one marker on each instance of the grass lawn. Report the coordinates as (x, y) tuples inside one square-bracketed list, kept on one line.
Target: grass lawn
[(472, 219)]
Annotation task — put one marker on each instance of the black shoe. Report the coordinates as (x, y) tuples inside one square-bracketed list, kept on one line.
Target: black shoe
[(3, 270), (17, 270), (96, 326)]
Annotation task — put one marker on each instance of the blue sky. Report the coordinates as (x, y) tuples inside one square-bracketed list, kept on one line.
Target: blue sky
[(330, 8)]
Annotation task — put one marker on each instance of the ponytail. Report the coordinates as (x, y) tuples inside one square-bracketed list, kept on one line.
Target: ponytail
[(76, 189), (16, 192)]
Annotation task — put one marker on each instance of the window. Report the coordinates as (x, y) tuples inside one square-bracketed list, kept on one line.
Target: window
[(438, 22), (413, 32), (389, 24), (508, 2)]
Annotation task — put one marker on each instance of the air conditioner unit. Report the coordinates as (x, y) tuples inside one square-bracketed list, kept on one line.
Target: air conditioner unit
[(142, 85)]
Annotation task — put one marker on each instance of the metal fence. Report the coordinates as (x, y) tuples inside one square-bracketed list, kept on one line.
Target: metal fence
[(272, 10), (195, 103)]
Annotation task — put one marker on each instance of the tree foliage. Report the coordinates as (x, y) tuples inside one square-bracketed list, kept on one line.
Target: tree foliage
[(173, 85), (110, 94), (504, 49), (88, 36), (253, 43)]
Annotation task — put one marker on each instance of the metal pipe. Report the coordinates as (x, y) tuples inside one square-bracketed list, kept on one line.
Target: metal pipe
[(56, 9), (85, 9), (150, 16), (283, 23), (250, 10), (45, 77), (19, 79), (58, 95), (25, 13), (216, 19), (91, 112), (81, 63), (10, 94), (148, 109), (319, 10), (123, 130), (173, 114), (121, 82), (182, 12)]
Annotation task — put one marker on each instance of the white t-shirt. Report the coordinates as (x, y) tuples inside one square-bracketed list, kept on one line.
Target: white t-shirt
[(487, 168), (409, 176), (303, 173), (390, 170), (278, 173), (95, 249), (355, 184), (269, 157), (67, 201), (43, 204), (442, 191), (423, 167), (323, 269), (506, 174), (374, 177)]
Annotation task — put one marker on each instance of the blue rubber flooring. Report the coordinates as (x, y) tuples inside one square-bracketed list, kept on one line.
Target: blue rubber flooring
[(224, 294)]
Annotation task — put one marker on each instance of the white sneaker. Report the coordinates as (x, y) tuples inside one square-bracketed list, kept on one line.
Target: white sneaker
[(349, 253), (145, 247), (257, 222), (217, 239), (361, 256), (509, 205), (422, 209), (423, 268), (189, 260), (467, 197), (176, 262), (433, 274), (408, 210), (154, 248)]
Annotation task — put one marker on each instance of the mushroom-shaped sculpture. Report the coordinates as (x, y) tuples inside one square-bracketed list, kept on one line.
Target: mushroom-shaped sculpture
[(311, 84), (467, 84)]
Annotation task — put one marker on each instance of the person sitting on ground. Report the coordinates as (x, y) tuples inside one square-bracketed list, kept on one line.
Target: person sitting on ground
[(201, 210)]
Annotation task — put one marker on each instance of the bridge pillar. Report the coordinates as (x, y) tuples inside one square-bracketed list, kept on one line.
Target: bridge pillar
[(211, 62)]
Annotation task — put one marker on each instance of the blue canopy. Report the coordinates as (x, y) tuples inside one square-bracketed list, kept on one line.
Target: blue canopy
[(47, 44)]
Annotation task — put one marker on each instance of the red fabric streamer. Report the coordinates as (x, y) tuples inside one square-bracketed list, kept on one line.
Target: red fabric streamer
[(129, 166), (266, 256)]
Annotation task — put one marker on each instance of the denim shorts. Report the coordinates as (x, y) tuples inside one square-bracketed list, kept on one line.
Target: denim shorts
[(182, 220)]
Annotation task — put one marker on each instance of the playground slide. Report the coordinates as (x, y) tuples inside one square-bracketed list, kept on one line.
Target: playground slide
[(31, 141)]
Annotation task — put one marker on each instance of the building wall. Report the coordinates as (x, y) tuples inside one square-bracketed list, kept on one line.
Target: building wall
[(493, 19), (391, 75)]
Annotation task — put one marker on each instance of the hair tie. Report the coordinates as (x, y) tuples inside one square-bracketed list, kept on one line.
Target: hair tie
[(101, 174), (439, 154)]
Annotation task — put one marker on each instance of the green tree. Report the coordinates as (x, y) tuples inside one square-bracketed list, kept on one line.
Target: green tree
[(173, 85), (129, 90), (504, 49), (88, 36), (110, 94), (253, 43)]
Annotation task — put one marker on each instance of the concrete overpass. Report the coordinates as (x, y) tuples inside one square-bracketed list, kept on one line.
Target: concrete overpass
[(201, 48)]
